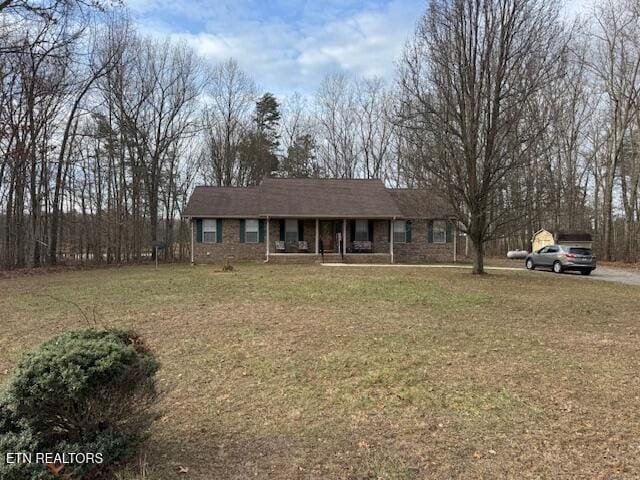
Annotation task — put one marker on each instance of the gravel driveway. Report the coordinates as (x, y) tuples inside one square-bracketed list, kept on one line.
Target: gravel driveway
[(613, 275), (607, 274)]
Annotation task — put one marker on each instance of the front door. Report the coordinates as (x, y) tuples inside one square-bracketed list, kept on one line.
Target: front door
[(327, 235)]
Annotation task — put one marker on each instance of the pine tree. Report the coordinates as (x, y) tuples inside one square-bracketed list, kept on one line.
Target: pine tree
[(259, 149)]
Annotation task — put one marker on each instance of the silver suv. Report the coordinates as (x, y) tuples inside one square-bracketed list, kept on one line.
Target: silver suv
[(562, 257)]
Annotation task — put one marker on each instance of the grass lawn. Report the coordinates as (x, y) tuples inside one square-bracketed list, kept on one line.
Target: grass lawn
[(315, 372)]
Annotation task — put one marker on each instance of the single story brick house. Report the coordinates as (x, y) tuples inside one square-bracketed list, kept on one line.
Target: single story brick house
[(312, 220)]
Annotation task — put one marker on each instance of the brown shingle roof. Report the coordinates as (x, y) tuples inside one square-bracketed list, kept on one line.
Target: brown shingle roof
[(221, 202), (420, 203), (573, 237), (298, 198)]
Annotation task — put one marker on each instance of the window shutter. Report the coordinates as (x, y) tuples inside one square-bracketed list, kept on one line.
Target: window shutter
[(282, 230), (300, 230), (219, 230), (242, 230), (370, 229), (430, 231), (352, 230), (199, 230), (408, 232), (449, 232), (261, 231), (389, 231)]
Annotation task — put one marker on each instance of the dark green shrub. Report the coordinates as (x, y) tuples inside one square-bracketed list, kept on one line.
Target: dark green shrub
[(81, 391), (16, 436)]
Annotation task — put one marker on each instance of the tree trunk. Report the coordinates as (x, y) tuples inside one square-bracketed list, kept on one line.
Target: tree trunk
[(607, 218), (478, 257)]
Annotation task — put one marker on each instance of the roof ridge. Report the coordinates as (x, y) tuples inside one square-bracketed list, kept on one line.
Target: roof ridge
[(229, 187), (326, 179)]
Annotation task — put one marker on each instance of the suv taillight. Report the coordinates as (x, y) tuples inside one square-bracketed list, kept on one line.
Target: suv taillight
[(569, 255)]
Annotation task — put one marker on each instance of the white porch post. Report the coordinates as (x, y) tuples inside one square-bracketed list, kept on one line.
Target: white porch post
[(344, 236), (455, 241), (317, 236), (391, 224), (192, 254), (268, 242)]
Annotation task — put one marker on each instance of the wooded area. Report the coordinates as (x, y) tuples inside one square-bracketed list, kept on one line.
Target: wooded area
[(522, 118)]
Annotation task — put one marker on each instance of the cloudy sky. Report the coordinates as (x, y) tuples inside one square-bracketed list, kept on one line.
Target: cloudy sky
[(289, 45)]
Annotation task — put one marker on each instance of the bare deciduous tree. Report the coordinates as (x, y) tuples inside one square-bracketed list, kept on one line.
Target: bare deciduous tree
[(230, 100), (468, 78), (374, 110), (336, 126), (616, 62)]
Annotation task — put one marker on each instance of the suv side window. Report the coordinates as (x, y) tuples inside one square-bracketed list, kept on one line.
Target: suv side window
[(543, 250), (553, 250)]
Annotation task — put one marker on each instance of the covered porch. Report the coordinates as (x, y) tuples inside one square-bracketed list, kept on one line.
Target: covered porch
[(314, 240)]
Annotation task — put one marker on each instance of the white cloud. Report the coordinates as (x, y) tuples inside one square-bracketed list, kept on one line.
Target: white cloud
[(286, 54), (289, 45)]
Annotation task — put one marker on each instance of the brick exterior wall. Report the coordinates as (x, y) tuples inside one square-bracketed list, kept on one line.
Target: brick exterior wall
[(230, 248), (381, 236), (417, 251), (421, 251)]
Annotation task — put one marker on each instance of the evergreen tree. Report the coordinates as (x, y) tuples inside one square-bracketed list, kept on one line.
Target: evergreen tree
[(259, 148)]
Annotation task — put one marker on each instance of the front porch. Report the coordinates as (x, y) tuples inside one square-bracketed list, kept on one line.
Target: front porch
[(350, 258), (292, 240)]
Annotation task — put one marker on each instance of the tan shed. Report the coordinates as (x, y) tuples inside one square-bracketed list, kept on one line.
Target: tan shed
[(540, 239)]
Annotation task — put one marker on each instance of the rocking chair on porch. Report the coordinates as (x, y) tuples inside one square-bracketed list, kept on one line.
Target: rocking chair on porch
[(280, 246), (361, 246)]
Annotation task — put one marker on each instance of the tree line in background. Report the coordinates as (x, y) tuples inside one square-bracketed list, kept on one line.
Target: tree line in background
[(521, 120)]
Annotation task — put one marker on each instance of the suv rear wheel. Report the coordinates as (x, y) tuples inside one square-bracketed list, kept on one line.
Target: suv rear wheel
[(586, 272), (557, 267)]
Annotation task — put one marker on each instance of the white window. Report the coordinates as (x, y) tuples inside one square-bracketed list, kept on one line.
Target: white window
[(291, 230), (362, 230), (251, 231), (439, 231), (209, 231), (400, 231)]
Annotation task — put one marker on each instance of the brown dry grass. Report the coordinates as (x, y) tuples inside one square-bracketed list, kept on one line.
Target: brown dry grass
[(314, 372)]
